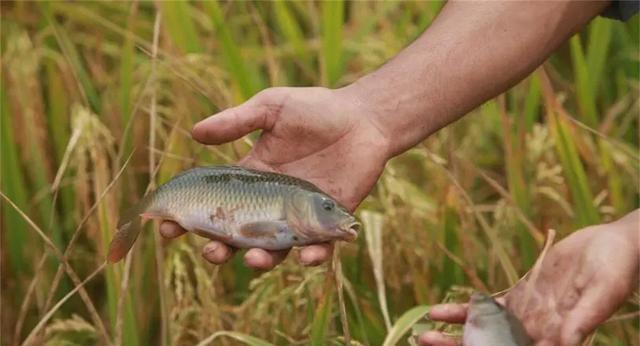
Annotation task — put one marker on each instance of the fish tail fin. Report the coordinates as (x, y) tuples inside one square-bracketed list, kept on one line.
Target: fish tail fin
[(123, 240), (128, 230)]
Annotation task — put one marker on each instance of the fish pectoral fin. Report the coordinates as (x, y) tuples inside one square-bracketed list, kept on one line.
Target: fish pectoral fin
[(213, 235), (262, 229)]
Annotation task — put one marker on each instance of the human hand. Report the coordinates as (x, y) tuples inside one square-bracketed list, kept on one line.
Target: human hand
[(317, 134), (582, 281)]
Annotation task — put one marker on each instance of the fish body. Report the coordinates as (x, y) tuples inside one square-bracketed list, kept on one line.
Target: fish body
[(240, 207), (489, 323)]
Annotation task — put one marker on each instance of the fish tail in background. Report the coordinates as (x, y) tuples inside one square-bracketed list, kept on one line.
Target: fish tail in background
[(129, 227)]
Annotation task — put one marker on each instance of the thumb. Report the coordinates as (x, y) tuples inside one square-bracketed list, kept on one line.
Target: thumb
[(257, 113)]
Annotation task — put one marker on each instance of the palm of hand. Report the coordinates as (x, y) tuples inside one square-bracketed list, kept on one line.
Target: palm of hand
[(582, 281), (316, 134), (313, 134)]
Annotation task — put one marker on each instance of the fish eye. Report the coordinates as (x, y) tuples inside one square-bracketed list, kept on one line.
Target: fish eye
[(327, 205)]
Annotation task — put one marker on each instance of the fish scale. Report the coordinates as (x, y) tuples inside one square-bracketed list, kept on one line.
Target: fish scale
[(490, 323), (241, 207)]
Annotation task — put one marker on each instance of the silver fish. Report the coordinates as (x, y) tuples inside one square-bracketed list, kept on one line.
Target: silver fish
[(240, 207), (489, 323)]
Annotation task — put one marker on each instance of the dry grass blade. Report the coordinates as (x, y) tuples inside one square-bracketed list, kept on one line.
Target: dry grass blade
[(123, 295), (164, 315), (622, 317), (55, 308), (76, 233), (372, 224), (497, 247), (535, 271), (72, 274), (27, 300), (65, 159), (623, 148), (340, 288), (471, 274), (533, 230)]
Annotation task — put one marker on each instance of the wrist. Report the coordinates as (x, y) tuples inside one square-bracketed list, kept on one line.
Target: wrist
[(381, 113)]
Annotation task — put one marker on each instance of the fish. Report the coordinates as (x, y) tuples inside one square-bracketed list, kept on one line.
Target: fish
[(489, 323), (242, 207)]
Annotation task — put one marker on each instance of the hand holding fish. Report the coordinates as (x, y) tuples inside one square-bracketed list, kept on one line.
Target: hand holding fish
[(317, 134), (583, 280), (341, 139)]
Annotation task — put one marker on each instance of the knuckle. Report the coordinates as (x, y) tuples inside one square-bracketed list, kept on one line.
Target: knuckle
[(267, 95)]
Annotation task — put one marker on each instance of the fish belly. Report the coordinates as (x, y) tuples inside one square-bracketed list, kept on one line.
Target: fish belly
[(492, 331), (238, 227), (479, 337)]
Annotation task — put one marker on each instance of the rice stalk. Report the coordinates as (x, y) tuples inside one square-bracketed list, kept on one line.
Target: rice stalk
[(14, 185), (515, 166), (331, 59), (85, 297), (247, 83), (181, 26), (506, 264), (152, 170), (27, 300), (572, 166), (322, 314), (71, 54), (53, 309), (372, 224)]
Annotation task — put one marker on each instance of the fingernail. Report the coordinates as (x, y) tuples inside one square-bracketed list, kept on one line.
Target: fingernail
[(303, 259), (250, 256), (310, 262), (256, 262)]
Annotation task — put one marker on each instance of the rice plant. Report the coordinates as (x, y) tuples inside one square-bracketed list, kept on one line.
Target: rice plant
[(97, 101)]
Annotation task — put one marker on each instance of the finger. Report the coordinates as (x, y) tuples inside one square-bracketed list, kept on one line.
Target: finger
[(235, 122), (433, 338), (170, 230), (263, 259), (588, 313), (217, 252), (450, 313), (313, 255)]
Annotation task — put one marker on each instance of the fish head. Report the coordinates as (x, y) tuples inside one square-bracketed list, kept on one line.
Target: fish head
[(482, 304), (317, 214), (490, 323)]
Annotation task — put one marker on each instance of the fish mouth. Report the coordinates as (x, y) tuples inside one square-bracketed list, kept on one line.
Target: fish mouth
[(350, 229)]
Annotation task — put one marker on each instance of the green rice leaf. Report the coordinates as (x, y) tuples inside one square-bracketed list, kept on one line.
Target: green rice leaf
[(332, 21), (243, 338), (404, 324)]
